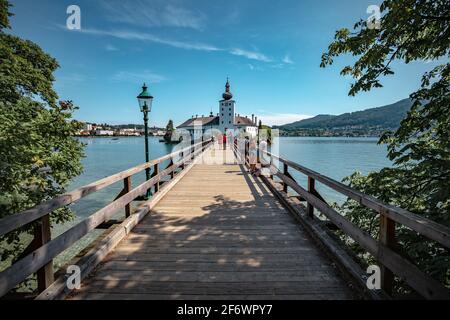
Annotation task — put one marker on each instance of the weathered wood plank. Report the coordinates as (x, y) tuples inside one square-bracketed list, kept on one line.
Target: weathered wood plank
[(418, 280), (128, 296), (97, 254), (18, 220), (16, 273), (217, 224), (217, 288)]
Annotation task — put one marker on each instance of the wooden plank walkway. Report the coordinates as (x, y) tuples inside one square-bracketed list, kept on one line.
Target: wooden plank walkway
[(218, 234)]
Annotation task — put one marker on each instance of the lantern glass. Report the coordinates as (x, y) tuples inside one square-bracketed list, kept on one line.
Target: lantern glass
[(145, 100)]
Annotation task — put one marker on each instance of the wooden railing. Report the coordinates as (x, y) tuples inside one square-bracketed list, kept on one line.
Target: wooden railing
[(384, 249), (38, 257)]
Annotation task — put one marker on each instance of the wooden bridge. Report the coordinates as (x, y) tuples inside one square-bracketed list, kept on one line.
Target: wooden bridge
[(213, 231)]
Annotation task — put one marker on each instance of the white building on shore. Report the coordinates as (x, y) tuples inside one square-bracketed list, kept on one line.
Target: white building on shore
[(226, 120)]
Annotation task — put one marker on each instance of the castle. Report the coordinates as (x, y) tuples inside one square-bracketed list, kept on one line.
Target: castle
[(226, 119)]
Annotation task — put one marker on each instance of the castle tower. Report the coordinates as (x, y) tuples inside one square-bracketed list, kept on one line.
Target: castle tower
[(226, 109)]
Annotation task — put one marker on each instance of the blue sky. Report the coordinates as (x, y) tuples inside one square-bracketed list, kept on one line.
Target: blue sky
[(185, 49)]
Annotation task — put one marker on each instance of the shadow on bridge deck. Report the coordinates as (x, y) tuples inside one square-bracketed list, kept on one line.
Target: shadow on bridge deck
[(218, 234)]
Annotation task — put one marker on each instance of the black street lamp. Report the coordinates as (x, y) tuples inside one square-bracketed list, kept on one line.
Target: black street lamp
[(145, 103)]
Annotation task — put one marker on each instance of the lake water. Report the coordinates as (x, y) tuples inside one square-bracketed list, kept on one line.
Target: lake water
[(334, 157)]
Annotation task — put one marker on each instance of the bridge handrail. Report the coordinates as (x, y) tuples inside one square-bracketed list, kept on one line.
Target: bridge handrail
[(38, 257), (23, 218), (424, 226), (385, 248)]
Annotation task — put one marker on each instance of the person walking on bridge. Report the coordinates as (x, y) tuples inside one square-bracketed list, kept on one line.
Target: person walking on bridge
[(224, 141)]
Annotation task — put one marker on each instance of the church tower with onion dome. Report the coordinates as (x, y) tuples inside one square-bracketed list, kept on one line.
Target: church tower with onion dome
[(226, 119), (226, 110)]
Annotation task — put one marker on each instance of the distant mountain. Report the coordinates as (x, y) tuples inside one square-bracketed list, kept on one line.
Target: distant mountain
[(379, 119)]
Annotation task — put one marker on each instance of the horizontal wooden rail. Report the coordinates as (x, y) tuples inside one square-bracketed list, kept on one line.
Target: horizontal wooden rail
[(18, 220), (384, 249), (424, 226), (418, 280), (44, 254)]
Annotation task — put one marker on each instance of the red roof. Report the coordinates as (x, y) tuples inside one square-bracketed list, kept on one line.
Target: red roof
[(214, 121), (204, 121), (243, 121)]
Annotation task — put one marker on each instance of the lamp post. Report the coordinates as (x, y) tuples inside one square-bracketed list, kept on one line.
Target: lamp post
[(145, 100)]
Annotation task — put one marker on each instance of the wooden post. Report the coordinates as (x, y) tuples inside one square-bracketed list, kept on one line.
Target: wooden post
[(155, 173), (42, 235), (387, 237), (270, 167), (126, 189), (311, 189), (182, 160), (172, 173), (286, 173)]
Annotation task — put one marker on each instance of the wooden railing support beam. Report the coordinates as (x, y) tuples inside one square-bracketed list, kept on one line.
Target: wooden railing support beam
[(286, 173), (126, 189), (387, 238), (182, 159), (42, 235), (155, 173), (311, 189)]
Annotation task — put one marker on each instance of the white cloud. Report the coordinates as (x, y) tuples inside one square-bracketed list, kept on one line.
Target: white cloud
[(253, 55), (287, 59), (154, 13), (278, 65), (254, 67), (138, 77), (277, 119), (148, 37), (131, 35), (110, 47)]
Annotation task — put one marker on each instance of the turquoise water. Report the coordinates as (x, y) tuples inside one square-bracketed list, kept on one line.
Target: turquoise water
[(334, 157), (105, 157)]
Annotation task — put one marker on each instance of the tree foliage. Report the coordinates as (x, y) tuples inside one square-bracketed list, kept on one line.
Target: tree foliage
[(419, 180), (38, 155), (169, 132)]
